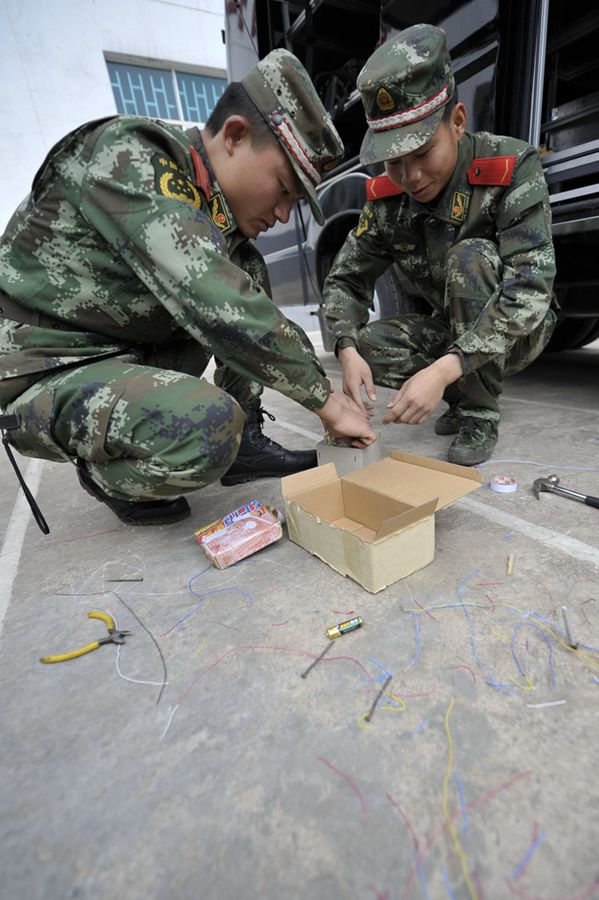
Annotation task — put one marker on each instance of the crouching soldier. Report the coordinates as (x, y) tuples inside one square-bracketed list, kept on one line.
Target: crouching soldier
[(466, 218), (130, 266)]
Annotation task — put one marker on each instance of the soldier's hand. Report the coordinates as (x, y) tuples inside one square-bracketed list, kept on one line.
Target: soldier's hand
[(356, 372), (343, 418), (420, 395)]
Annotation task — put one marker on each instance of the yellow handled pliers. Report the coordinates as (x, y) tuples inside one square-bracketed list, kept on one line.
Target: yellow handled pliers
[(114, 637)]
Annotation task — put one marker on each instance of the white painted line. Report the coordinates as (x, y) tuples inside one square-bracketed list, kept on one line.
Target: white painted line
[(298, 430), (565, 406), (15, 534), (555, 540)]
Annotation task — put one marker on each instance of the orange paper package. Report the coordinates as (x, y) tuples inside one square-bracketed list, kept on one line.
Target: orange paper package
[(239, 534)]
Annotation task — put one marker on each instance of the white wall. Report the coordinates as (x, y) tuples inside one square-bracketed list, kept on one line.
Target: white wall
[(53, 76)]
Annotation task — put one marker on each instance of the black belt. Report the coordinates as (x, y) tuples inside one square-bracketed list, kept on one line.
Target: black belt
[(10, 309)]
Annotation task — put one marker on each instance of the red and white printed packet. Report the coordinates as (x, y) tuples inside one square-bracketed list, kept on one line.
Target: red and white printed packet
[(239, 534)]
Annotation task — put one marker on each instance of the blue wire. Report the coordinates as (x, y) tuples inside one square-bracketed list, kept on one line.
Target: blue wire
[(418, 642), (545, 638), (382, 678), (448, 888), (527, 856)]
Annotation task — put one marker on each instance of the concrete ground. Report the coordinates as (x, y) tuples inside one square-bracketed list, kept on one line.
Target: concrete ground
[(475, 777)]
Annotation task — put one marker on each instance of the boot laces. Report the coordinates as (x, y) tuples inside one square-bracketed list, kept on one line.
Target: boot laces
[(259, 440), (261, 412)]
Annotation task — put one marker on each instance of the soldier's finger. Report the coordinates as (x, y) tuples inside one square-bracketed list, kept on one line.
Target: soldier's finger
[(355, 395), (370, 388), (391, 416)]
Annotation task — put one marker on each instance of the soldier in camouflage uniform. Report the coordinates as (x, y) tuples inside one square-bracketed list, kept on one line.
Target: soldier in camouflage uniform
[(129, 266), (466, 218)]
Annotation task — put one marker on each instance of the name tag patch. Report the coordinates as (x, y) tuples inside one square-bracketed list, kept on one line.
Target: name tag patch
[(459, 206)]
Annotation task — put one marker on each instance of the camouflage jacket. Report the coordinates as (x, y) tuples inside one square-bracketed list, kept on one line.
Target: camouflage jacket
[(398, 229), (126, 239)]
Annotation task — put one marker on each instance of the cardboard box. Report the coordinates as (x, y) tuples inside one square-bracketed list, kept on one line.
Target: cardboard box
[(376, 525)]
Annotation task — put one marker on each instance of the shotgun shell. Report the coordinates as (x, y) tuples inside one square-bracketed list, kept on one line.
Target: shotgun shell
[(337, 630)]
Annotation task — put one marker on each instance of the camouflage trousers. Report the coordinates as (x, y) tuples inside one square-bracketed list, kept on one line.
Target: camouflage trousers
[(146, 423), (397, 348)]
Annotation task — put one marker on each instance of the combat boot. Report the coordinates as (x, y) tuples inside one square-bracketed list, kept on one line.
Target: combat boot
[(474, 443), (135, 512), (449, 422), (259, 457)]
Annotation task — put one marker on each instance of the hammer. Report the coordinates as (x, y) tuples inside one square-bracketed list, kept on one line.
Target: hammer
[(551, 484)]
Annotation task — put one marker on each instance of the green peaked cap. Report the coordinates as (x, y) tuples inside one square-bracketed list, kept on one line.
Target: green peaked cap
[(281, 89), (405, 86)]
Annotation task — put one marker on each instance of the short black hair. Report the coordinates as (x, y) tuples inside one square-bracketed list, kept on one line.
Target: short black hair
[(237, 102)]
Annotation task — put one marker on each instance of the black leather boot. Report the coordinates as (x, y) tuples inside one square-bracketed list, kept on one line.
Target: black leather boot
[(135, 512), (259, 457)]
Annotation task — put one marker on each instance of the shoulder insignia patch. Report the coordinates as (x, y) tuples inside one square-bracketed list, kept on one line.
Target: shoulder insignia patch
[(491, 170), (381, 186), (218, 212), (171, 181), (459, 206), (364, 222)]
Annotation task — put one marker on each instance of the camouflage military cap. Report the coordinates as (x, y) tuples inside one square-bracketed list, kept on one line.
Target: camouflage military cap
[(281, 89), (404, 86)]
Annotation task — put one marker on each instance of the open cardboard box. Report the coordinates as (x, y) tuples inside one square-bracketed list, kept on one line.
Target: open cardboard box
[(376, 525)]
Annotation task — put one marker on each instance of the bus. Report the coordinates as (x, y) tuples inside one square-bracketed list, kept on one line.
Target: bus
[(528, 69)]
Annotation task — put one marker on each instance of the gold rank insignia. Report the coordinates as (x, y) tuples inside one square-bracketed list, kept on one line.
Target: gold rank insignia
[(384, 100), (459, 206), (174, 182), (218, 212)]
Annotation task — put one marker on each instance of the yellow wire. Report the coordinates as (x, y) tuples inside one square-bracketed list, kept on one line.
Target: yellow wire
[(402, 703), (361, 720), (450, 825), (501, 636), (592, 663), (582, 656), (529, 686), (199, 650)]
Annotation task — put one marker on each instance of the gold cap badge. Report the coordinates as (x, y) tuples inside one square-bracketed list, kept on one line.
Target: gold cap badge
[(384, 100)]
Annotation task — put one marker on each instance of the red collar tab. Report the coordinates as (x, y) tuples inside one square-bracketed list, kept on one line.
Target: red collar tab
[(202, 176), (491, 170), (381, 186)]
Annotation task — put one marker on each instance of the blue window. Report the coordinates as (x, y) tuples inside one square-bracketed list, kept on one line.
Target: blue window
[(164, 93), (199, 95)]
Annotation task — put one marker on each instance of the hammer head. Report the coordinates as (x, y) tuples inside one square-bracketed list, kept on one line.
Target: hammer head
[(544, 484)]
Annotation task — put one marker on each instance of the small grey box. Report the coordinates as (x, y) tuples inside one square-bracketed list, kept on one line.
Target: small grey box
[(346, 458)]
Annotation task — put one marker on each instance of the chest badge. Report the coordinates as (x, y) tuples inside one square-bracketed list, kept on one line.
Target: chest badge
[(405, 247), (218, 212), (459, 206)]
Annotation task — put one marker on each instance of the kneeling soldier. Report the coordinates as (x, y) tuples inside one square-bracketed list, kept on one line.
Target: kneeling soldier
[(466, 218)]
